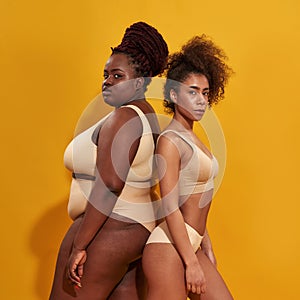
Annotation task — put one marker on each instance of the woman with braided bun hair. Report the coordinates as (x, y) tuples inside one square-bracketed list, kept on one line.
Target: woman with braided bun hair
[(111, 198), (178, 260)]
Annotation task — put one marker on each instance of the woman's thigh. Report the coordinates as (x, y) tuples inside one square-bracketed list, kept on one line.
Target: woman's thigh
[(164, 271), (133, 285), (61, 288), (216, 288), (165, 274), (109, 255)]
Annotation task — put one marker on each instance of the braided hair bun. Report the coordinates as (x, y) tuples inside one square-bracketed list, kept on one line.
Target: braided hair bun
[(145, 47)]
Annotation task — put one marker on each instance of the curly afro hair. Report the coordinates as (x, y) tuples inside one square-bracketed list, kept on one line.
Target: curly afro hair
[(146, 49), (198, 56)]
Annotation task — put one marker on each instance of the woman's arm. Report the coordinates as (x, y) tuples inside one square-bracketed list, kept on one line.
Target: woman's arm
[(168, 169), (117, 146), (207, 248)]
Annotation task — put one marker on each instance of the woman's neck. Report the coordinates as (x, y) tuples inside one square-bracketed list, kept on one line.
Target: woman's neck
[(186, 123)]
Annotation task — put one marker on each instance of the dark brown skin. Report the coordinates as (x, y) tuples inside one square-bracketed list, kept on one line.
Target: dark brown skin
[(98, 258)]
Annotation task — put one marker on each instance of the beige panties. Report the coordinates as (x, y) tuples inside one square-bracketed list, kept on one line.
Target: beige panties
[(161, 234)]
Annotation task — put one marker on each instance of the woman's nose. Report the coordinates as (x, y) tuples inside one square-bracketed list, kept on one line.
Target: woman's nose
[(201, 99)]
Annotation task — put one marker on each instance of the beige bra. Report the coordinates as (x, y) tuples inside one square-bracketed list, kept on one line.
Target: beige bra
[(134, 202), (199, 173)]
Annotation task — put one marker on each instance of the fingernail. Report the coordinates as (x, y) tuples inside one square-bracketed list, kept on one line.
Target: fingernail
[(79, 284)]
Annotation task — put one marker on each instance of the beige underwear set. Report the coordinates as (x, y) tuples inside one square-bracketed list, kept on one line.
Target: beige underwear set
[(196, 177), (134, 201)]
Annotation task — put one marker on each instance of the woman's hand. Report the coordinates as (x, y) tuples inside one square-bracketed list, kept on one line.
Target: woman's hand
[(195, 279), (75, 266)]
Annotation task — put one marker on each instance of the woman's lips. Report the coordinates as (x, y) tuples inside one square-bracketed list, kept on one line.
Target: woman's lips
[(106, 92)]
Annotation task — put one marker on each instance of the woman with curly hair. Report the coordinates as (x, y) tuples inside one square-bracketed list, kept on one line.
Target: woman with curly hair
[(110, 198), (176, 260)]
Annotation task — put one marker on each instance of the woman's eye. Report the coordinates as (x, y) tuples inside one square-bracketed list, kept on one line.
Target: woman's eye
[(206, 94), (192, 92), (115, 76)]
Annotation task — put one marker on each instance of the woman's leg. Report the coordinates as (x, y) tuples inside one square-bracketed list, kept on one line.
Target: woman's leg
[(164, 271), (108, 259), (61, 288), (133, 285), (216, 288)]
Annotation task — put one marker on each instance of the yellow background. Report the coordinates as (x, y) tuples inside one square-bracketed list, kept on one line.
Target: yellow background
[(51, 60)]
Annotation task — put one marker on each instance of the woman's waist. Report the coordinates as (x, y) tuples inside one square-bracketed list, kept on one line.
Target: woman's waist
[(194, 215), (196, 201), (136, 194), (135, 202)]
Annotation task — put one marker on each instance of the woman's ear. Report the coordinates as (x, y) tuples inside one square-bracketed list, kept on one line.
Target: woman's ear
[(139, 82), (173, 95)]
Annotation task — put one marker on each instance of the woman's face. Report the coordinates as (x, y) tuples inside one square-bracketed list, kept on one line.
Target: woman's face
[(192, 97), (119, 85)]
